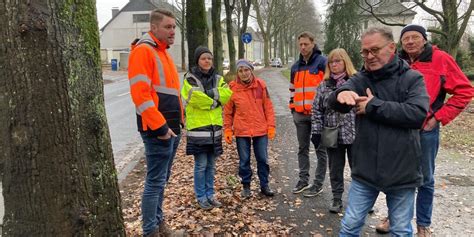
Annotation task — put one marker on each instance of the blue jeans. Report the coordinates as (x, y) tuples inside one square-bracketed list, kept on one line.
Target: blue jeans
[(424, 199), (204, 170), (159, 159), (261, 155), (362, 198)]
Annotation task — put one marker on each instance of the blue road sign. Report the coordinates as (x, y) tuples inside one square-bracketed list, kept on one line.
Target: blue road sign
[(246, 37)]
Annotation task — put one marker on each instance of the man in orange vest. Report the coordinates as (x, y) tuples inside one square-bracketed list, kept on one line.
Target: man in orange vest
[(154, 87), (306, 74)]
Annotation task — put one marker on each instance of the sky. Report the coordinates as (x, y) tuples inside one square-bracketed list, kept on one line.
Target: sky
[(104, 8)]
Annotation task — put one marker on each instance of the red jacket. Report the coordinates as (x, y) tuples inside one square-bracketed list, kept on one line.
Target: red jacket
[(249, 113), (442, 75)]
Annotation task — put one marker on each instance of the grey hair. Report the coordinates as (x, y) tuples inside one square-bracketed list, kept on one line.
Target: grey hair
[(384, 31)]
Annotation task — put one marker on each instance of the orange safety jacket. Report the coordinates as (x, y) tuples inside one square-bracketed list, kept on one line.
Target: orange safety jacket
[(305, 78), (154, 87)]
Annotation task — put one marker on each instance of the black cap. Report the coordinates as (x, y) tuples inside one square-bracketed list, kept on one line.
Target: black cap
[(200, 50), (414, 27)]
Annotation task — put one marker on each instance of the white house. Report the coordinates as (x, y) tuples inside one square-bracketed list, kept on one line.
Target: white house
[(391, 11), (129, 23)]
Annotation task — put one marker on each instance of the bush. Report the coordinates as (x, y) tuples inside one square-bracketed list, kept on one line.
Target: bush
[(230, 76)]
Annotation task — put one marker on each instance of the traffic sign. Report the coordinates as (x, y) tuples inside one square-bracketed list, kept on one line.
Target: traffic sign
[(246, 37)]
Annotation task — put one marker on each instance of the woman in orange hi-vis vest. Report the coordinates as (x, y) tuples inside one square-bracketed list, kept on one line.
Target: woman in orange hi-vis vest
[(154, 87)]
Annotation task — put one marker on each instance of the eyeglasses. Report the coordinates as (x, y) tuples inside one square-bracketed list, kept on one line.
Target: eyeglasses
[(412, 37), (374, 51), (337, 61)]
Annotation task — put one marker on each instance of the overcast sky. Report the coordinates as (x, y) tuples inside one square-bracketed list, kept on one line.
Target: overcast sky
[(104, 8)]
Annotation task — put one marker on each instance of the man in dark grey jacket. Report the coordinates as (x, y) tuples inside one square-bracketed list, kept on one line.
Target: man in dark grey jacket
[(391, 103)]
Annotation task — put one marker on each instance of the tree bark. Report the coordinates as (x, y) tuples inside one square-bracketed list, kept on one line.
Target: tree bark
[(183, 34), (217, 35), (229, 8), (60, 178), (196, 28), (245, 5)]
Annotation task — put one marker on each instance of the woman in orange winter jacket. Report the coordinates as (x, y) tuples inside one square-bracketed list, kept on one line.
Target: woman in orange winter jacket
[(249, 116)]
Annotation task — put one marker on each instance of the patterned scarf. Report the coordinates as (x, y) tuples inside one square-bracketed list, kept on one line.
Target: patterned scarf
[(339, 78)]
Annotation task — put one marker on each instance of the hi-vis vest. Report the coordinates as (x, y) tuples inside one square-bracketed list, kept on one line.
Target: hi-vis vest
[(305, 79), (154, 87), (203, 113)]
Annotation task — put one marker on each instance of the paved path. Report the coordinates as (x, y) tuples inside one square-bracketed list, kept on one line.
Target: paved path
[(454, 202)]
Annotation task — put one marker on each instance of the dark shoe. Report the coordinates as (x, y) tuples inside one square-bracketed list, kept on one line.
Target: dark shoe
[(155, 233), (423, 231), (300, 187), (205, 205), (313, 191), (214, 202), (267, 191), (165, 230), (383, 227), (336, 206), (246, 193)]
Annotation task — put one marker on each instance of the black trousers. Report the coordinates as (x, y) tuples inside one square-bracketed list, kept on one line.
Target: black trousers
[(337, 161)]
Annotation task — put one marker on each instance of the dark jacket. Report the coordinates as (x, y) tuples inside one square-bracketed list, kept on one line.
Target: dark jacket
[(386, 152), (322, 115), (442, 76)]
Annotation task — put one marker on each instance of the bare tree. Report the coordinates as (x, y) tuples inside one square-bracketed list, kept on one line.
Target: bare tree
[(59, 177), (181, 22), (452, 18), (217, 35), (229, 9), (245, 6), (196, 27)]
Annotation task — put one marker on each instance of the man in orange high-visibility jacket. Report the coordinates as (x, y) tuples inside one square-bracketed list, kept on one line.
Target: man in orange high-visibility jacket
[(306, 74), (154, 87)]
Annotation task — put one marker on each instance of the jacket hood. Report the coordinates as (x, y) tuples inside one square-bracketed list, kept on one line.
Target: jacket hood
[(395, 66), (314, 55)]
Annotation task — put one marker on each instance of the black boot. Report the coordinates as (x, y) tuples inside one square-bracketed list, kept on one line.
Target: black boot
[(246, 193), (336, 206), (267, 191)]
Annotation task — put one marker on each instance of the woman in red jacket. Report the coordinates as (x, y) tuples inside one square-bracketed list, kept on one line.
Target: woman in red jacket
[(249, 116)]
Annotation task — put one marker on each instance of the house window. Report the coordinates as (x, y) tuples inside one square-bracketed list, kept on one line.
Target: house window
[(141, 18)]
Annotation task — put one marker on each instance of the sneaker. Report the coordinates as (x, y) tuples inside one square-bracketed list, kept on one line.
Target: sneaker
[(313, 191), (154, 233), (383, 227), (336, 206), (165, 230), (300, 187), (214, 202), (246, 193), (267, 191), (205, 205), (423, 231)]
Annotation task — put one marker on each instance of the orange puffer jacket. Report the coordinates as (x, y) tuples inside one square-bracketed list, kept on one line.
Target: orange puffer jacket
[(249, 113)]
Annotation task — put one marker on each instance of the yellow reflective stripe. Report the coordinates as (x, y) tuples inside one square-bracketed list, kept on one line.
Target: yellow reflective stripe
[(139, 78), (166, 90), (203, 133), (144, 106)]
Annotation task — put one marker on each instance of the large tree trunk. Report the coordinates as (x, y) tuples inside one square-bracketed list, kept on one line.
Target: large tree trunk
[(183, 37), (229, 8), (196, 27), (217, 35), (245, 5), (60, 178)]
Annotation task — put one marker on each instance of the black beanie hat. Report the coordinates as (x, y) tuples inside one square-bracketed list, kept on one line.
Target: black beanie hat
[(200, 50), (414, 27)]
